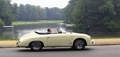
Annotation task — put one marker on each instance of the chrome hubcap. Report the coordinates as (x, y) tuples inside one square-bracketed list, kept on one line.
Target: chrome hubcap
[(36, 45), (79, 44)]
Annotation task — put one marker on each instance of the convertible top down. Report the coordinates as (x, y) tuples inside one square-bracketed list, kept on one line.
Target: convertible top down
[(36, 40)]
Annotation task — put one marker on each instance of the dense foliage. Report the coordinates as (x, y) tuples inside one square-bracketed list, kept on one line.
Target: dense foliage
[(6, 15), (30, 12), (96, 15)]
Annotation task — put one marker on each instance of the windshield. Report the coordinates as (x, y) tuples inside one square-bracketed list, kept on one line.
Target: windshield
[(61, 30)]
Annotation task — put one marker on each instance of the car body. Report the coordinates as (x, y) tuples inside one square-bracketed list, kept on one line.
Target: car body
[(36, 41)]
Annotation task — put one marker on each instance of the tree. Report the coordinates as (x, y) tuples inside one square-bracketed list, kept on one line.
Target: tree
[(31, 12), (40, 13), (5, 12), (69, 10), (99, 15), (110, 14), (21, 12), (14, 9), (86, 14), (54, 13), (1, 23)]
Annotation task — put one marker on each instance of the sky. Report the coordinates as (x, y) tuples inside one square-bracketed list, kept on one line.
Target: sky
[(43, 3)]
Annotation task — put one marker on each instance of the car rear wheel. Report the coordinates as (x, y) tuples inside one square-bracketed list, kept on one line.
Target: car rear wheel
[(36, 46), (79, 44)]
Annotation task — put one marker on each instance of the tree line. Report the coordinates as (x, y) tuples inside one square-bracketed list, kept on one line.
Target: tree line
[(94, 15), (31, 12), (12, 12)]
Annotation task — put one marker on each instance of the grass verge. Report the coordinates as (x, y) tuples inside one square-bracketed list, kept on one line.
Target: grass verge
[(7, 39), (36, 22)]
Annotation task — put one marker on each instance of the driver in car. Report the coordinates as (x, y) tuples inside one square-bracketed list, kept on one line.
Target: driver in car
[(49, 31)]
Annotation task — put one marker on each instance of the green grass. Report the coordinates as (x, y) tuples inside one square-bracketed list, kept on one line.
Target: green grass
[(36, 22), (7, 39), (4, 38)]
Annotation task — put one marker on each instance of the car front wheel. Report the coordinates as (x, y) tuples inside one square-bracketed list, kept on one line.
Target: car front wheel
[(79, 44), (36, 46)]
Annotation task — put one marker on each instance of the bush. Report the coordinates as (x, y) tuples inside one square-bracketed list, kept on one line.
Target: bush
[(1, 23)]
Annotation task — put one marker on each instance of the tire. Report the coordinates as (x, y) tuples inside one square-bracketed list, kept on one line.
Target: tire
[(79, 44), (36, 46)]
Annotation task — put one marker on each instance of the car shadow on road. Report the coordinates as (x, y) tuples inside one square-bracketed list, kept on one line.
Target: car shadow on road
[(53, 50)]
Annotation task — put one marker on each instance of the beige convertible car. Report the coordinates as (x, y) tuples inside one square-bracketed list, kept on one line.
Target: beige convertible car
[(36, 40)]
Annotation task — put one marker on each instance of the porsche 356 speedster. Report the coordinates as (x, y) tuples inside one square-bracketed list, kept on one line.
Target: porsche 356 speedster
[(36, 40)]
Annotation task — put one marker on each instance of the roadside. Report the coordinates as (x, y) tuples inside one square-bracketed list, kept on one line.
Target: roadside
[(112, 41), (8, 43), (107, 41)]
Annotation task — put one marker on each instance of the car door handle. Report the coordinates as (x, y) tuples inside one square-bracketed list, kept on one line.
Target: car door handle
[(49, 37)]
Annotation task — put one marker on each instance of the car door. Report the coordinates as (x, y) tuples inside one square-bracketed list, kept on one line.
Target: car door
[(58, 40)]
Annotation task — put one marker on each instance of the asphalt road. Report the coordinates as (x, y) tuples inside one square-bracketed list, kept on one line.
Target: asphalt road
[(90, 51)]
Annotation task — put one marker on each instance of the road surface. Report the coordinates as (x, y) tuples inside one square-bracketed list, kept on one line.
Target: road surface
[(90, 51)]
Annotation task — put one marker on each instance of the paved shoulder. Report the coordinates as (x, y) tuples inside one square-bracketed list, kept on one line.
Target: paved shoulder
[(112, 41)]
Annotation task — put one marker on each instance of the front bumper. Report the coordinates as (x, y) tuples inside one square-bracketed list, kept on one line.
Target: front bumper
[(93, 42), (17, 43)]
